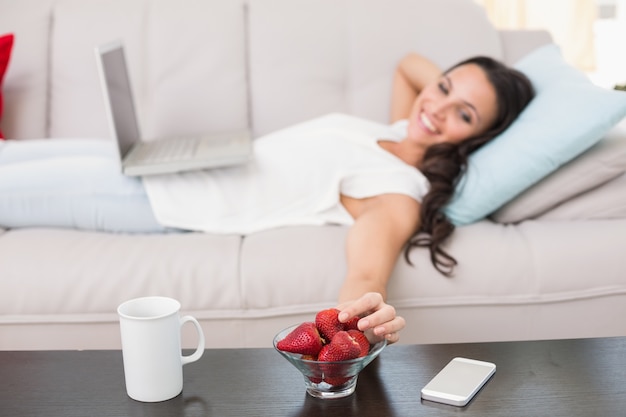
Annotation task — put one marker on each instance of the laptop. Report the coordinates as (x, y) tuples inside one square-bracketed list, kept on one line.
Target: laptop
[(139, 157)]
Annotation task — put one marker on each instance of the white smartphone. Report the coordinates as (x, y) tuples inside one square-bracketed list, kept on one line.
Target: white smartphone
[(458, 381)]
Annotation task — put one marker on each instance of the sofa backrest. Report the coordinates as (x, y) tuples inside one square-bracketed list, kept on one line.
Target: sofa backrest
[(311, 57), (186, 60), (210, 65), (185, 76)]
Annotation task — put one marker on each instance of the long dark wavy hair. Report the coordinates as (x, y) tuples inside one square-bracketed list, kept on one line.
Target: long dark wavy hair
[(444, 163)]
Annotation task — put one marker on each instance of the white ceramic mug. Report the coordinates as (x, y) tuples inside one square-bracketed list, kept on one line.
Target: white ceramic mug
[(153, 362)]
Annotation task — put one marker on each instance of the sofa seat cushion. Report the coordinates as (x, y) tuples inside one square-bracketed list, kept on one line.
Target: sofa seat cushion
[(292, 270), (501, 264), (245, 289), (66, 275), (502, 268), (534, 280)]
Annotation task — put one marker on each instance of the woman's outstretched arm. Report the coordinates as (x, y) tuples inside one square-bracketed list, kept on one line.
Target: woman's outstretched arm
[(383, 225), (413, 72)]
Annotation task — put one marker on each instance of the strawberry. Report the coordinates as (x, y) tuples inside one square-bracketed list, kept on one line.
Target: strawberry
[(352, 324), (328, 324), (304, 339), (342, 347), (315, 380), (329, 371), (361, 339)]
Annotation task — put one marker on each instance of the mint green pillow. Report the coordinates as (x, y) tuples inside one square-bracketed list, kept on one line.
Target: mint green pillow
[(568, 115)]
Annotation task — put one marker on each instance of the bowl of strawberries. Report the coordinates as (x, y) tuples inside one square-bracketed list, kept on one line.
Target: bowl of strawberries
[(329, 354)]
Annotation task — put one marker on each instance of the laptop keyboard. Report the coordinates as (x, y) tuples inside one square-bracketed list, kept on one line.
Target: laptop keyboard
[(183, 148), (169, 150)]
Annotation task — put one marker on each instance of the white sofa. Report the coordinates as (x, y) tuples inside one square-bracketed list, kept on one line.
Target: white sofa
[(209, 65)]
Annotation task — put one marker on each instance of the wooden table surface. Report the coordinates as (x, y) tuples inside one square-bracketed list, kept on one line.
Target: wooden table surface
[(582, 377)]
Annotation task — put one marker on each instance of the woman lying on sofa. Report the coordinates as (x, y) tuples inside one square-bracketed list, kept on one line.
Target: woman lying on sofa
[(326, 171)]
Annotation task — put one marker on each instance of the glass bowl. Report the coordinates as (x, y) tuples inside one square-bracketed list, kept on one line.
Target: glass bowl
[(329, 379)]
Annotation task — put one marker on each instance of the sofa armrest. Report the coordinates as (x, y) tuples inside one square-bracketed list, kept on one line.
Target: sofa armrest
[(517, 43)]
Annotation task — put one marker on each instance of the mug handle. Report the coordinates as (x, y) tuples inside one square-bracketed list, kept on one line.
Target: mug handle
[(200, 349)]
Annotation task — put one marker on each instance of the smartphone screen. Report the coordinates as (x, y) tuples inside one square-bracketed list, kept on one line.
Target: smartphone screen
[(458, 381)]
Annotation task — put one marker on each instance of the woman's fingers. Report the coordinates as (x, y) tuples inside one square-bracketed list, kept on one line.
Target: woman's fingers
[(392, 337), (374, 319), (368, 303), (378, 317), (389, 327)]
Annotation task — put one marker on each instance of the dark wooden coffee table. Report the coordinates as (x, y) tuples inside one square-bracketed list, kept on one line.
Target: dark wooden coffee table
[(569, 378)]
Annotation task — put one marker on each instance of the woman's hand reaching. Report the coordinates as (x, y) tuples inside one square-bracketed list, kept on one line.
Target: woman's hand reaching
[(382, 226), (378, 319)]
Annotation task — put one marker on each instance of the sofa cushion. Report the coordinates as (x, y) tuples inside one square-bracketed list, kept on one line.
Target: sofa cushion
[(306, 270), (553, 266), (82, 275), (607, 201), (568, 115), (299, 72), (603, 162), (186, 80)]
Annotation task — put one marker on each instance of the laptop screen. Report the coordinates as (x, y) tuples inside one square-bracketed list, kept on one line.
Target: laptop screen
[(119, 97)]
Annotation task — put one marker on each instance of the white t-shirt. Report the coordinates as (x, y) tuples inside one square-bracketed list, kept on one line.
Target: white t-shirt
[(295, 178)]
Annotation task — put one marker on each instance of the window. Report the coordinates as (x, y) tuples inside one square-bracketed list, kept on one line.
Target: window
[(591, 33)]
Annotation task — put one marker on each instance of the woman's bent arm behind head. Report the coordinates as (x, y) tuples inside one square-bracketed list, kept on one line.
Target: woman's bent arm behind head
[(413, 72)]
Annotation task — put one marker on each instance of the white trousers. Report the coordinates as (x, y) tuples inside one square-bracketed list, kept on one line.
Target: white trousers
[(72, 183)]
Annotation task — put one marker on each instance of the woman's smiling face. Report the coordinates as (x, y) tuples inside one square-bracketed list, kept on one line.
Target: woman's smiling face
[(460, 104)]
